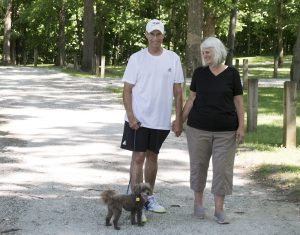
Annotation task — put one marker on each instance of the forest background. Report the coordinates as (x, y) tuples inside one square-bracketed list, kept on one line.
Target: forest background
[(74, 31)]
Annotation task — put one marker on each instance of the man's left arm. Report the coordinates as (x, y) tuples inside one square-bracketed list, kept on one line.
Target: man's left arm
[(177, 123)]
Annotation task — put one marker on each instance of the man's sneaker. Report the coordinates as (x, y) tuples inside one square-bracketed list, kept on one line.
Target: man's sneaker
[(144, 218), (153, 206)]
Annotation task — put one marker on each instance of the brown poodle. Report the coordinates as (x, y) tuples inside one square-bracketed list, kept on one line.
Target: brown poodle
[(131, 202)]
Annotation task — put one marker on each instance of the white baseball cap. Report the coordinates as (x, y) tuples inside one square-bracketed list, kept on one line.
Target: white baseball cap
[(155, 25)]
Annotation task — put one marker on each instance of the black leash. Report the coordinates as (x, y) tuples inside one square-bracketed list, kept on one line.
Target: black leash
[(134, 142)]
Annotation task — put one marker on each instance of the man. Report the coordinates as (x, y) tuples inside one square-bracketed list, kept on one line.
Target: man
[(152, 77)]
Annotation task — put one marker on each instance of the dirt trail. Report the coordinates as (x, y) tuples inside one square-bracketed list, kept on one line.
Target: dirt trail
[(59, 146)]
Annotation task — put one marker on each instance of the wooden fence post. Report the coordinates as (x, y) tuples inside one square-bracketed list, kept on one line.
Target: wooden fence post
[(245, 73), (252, 105), (289, 114), (102, 67)]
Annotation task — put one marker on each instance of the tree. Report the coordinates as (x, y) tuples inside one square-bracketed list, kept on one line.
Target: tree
[(295, 66), (61, 34), (88, 36), (279, 46), (7, 33), (194, 36), (231, 34)]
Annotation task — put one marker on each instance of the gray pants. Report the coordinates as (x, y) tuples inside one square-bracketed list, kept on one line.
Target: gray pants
[(221, 146)]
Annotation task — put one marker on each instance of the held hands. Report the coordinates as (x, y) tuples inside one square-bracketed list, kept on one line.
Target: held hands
[(177, 127)]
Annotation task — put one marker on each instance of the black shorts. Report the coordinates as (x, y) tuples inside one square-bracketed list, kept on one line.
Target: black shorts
[(143, 139)]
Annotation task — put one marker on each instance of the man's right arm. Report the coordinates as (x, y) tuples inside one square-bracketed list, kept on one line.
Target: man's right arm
[(127, 101)]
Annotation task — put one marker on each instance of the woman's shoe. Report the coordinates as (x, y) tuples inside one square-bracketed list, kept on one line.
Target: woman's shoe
[(220, 218)]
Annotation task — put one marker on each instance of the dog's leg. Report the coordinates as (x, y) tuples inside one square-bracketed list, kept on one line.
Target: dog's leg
[(133, 213), (117, 214), (108, 217), (139, 217)]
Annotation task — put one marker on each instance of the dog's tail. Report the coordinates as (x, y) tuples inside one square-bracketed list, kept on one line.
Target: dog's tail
[(107, 196)]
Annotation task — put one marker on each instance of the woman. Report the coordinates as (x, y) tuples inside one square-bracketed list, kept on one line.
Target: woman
[(215, 124)]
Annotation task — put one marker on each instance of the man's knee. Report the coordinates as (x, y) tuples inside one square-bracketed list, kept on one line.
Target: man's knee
[(151, 156), (138, 158)]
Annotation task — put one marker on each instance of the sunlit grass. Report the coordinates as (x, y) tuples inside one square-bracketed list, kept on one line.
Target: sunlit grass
[(284, 178), (262, 67), (269, 133), (112, 72)]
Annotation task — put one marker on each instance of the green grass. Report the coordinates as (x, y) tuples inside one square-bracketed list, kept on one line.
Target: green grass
[(284, 178), (114, 71), (269, 132), (111, 72), (262, 67)]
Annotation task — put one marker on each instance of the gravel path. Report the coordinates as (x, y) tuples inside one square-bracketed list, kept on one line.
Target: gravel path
[(59, 144)]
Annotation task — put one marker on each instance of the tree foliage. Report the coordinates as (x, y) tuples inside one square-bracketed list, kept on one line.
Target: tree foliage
[(119, 27)]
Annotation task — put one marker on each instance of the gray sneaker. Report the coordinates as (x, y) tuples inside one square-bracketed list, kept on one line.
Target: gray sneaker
[(152, 205)]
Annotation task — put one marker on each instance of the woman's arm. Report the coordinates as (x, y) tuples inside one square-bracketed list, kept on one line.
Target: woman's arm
[(177, 124), (239, 106), (188, 105)]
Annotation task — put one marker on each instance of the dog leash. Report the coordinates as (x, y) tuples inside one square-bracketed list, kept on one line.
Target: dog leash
[(134, 142)]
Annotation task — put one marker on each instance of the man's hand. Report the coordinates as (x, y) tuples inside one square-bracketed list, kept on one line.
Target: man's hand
[(134, 124), (177, 127)]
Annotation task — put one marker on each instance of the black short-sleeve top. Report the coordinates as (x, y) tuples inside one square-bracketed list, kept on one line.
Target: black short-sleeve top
[(214, 109)]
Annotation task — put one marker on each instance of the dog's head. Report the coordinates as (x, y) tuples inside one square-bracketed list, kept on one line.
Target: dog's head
[(143, 188)]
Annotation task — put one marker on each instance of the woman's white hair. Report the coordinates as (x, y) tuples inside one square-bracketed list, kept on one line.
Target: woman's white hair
[(219, 51)]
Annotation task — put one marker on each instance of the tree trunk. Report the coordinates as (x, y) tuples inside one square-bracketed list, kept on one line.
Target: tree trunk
[(194, 35), (248, 41), (62, 38), (7, 34), (295, 66), (279, 6), (100, 23), (13, 56), (209, 25), (79, 36), (231, 34), (88, 36)]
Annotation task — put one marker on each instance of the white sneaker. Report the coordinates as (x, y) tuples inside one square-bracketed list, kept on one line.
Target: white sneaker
[(144, 218), (152, 205)]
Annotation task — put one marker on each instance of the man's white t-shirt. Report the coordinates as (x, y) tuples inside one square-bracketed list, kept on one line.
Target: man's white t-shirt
[(153, 78)]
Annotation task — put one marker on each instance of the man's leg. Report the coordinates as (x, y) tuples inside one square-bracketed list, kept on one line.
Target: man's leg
[(136, 168), (150, 177), (136, 173), (151, 168)]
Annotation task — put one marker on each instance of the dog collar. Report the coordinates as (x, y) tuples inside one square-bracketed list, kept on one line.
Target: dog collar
[(137, 198)]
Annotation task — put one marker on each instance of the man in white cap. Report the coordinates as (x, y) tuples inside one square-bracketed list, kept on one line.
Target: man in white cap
[(152, 77)]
